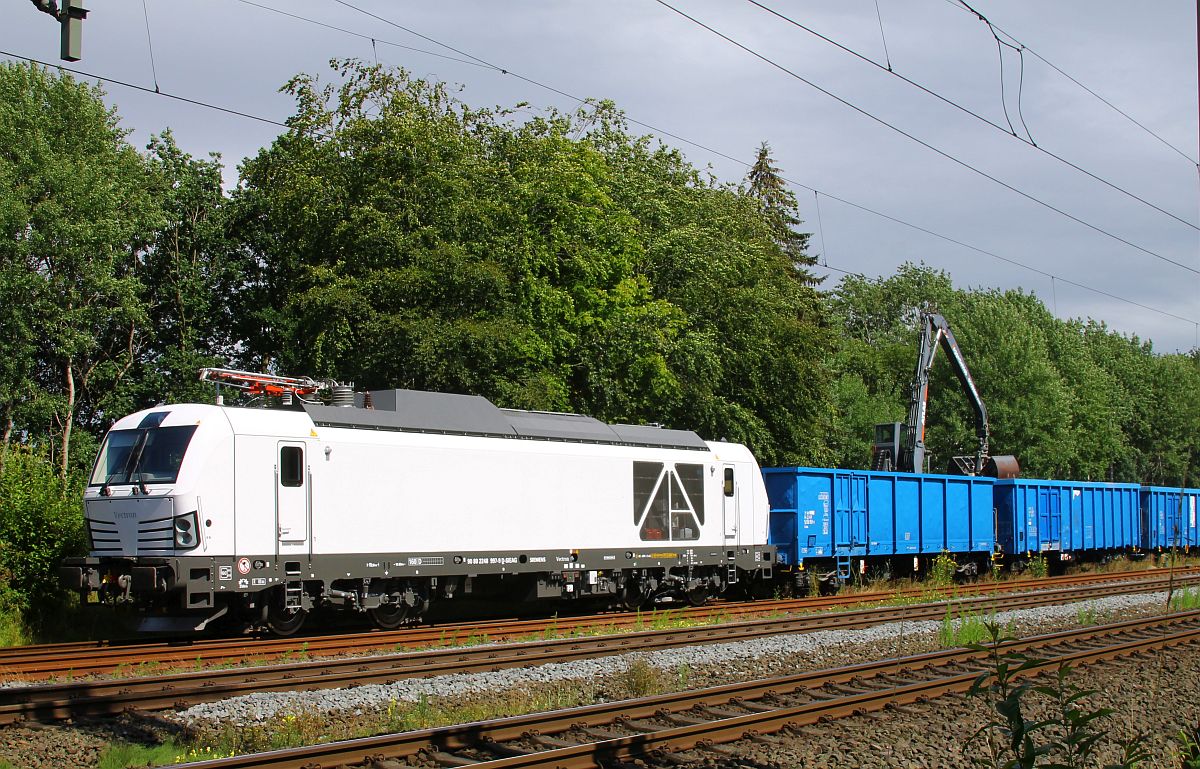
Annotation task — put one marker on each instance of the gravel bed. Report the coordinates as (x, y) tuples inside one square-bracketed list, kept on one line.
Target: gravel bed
[(76, 746), (704, 664)]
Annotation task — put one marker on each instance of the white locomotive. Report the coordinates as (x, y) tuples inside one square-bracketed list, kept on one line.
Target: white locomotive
[(393, 499)]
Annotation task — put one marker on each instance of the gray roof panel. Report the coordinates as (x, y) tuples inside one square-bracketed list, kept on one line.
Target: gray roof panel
[(567, 427), (646, 435), (419, 411)]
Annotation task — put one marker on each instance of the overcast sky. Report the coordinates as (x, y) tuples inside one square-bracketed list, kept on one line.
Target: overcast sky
[(667, 72)]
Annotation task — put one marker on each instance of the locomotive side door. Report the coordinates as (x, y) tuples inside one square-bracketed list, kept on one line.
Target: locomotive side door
[(729, 504), (292, 496)]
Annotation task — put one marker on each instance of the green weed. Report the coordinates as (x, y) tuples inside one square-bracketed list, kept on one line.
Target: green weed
[(1039, 567), (682, 674), (1189, 748), (1186, 599), (13, 631), (665, 620), (963, 628), (941, 572), (1086, 616), (641, 679)]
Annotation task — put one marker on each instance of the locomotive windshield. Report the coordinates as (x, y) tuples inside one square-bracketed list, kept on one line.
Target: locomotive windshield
[(146, 455)]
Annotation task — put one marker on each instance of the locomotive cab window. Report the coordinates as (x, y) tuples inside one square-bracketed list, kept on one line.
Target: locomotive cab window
[(145, 455), (291, 466), (729, 481)]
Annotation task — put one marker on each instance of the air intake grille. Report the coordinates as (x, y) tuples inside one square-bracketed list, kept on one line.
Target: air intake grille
[(155, 535), (105, 537), (131, 526)]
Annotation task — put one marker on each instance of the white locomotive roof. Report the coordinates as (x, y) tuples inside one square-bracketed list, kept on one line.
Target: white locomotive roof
[(420, 411)]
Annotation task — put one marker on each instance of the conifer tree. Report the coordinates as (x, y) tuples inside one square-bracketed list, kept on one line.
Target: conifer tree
[(781, 211)]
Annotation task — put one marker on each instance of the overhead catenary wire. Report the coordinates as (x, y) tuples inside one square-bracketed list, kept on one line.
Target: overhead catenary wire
[(144, 89), (343, 30), (448, 47), (1010, 131), (968, 9), (821, 228), (1003, 90), (150, 44), (1020, 91), (912, 137), (999, 257), (886, 56), (647, 126)]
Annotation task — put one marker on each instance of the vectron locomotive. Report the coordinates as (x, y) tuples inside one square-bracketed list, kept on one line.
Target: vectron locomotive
[(386, 501)]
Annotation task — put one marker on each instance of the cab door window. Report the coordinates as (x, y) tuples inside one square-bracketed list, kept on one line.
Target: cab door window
[(291, 466)]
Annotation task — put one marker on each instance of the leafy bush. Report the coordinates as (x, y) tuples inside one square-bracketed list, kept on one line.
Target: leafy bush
[(41, 522)]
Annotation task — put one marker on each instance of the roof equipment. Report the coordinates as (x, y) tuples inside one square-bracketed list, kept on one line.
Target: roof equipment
[(279, 386)]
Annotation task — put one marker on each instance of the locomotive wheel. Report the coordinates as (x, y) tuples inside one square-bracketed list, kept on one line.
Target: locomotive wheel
[(632, 598), (389, 616), (280, 619), (697, 596), (283, 622)]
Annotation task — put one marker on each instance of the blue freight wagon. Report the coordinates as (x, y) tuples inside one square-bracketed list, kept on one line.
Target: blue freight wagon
[(1065, 519), (1169, 518), (834, 521)]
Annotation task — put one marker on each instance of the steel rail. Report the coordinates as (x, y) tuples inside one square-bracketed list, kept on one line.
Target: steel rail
[(106, 697), (854, 691), (33, 663)]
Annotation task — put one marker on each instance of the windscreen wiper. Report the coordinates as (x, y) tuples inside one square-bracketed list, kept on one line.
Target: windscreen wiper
[(135, 457)]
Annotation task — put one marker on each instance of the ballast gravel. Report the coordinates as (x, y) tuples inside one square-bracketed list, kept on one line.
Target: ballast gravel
[(704, 664)]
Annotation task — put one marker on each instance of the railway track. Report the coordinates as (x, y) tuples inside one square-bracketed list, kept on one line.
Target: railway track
[(107, 697), (611, 733), (74, 660)]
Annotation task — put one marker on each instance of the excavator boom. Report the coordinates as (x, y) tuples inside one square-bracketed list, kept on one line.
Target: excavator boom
[(901, 446)]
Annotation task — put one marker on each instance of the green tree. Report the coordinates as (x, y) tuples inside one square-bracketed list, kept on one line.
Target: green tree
[(557, 262), (779, 207), (1071, 399), (192, 279), (77, 210)]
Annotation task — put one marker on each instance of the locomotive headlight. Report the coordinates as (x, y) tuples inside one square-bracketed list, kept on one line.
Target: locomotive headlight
[(187, 533)]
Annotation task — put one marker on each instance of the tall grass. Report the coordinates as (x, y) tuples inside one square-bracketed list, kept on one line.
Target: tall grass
[(1186, 599), (964, 628), (120, 755)]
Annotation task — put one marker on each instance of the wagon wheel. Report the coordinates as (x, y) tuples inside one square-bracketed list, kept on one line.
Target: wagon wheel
[(830, 584), (389, 616)]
